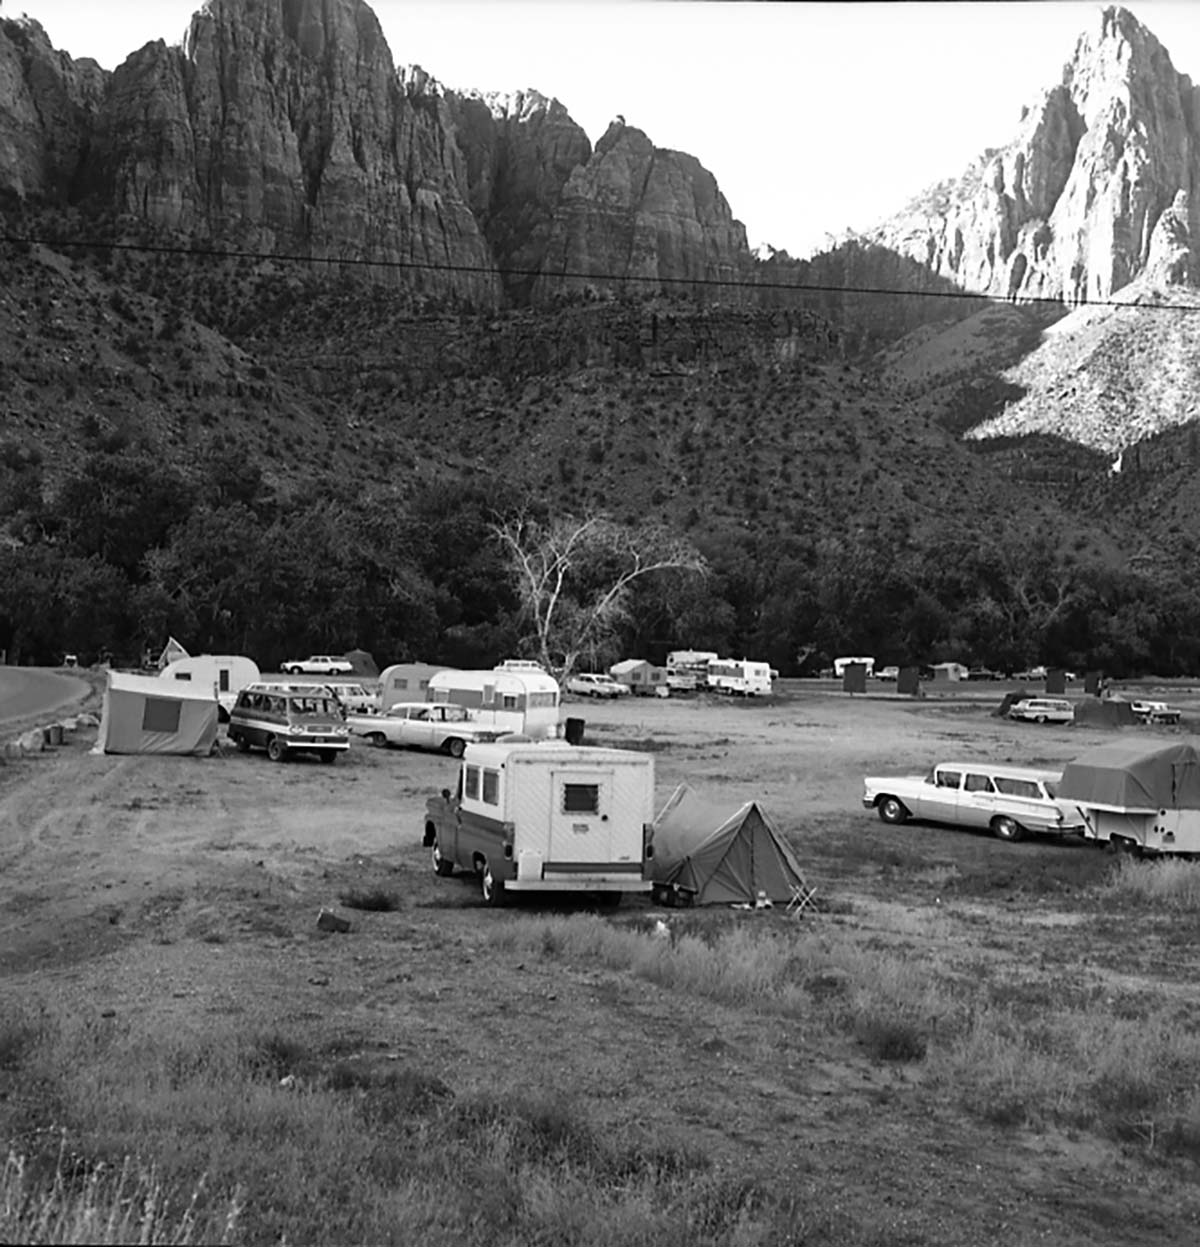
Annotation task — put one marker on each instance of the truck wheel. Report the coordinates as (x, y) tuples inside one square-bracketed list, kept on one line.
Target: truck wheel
[(1004, 828), (892, 810), (276, 750), (454, 747), (442, 866), (493, 888)]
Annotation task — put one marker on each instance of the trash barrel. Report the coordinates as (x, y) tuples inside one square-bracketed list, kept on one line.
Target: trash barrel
[(573, 731)]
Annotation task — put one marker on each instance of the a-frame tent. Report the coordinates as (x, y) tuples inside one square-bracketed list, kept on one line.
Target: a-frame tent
[(730, 856)]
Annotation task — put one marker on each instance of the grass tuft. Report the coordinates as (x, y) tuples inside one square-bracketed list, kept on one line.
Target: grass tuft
[(377, 900)]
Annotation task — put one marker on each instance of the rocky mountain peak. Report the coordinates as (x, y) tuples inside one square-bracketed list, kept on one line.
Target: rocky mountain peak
[(1068, 209)]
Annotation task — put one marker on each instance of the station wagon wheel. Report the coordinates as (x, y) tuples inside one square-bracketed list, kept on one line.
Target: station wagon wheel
[(442, 866), (493, 888), (1005, 828), (1040, 719), (892, 810), (378, 739), (276, 749), (241, 743), (454, 747)]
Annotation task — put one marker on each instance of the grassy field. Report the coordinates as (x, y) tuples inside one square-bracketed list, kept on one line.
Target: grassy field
[(965, 1041)]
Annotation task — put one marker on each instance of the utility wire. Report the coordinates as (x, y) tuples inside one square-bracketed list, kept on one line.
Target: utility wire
[(736, 283)]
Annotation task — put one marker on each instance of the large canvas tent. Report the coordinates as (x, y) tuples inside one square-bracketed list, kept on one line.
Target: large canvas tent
[(1134, 776), (362, 662), (146, 714), (719, 856)]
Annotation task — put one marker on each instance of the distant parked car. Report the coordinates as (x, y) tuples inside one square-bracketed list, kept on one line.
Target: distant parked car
[(1042, 710), (1155, 712), (1031, 673), (888, 673), (982, 673), (588, 684), (317, 664)]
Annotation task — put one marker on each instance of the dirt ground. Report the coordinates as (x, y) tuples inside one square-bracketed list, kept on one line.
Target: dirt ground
[(187, 890)]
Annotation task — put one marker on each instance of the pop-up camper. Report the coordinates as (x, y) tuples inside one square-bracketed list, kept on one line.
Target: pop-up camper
[(1144, 796), (144, 714)]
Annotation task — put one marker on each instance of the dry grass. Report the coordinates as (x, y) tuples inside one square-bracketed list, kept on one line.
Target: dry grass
[(1165, 883)]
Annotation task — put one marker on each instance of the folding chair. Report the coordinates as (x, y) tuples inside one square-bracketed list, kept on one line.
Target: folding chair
[(802, 898)]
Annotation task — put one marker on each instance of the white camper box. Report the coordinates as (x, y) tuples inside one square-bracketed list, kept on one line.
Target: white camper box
[(512, 701), (225, 674), (739, 677), (547, 816)]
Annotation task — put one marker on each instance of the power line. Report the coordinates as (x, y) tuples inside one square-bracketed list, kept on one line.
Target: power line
[(736, 283)]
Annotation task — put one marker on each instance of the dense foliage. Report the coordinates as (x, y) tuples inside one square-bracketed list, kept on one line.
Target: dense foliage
[(129, 549)]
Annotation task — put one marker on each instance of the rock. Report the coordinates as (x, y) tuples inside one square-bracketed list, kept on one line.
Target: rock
[(653, 217), (1070, 208), (327, 920), (32, 741)]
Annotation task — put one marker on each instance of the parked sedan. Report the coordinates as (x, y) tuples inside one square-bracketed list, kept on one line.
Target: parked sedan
[(589, 685), (317, 664), (423, 725)]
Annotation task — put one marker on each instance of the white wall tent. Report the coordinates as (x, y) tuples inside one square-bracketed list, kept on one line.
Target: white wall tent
[(146, 714)]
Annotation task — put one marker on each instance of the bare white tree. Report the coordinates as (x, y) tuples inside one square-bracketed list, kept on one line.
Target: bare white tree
[(573, 577)]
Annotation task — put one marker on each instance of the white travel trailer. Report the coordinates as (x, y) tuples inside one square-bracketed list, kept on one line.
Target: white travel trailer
[(513, 701), (840, 665), (740, 677), (405, 681), (225, 674)]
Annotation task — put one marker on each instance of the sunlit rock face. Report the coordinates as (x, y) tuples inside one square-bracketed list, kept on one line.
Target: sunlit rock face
[(1070, 207)]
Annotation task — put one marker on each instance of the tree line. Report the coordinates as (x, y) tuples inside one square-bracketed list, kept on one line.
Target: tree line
[(128, 549)]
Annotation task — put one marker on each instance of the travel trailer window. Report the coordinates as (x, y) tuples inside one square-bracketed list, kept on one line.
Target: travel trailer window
[(183, 675), (543, 701), (471, 784), (161, 715), (510, 701), (581, 798), (491, 786)]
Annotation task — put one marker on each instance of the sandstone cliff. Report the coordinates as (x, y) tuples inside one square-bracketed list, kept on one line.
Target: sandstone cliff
[(646, 220), (1069, 208)]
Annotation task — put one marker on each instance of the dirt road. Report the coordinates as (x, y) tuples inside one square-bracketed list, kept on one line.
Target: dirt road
[(179, 892)]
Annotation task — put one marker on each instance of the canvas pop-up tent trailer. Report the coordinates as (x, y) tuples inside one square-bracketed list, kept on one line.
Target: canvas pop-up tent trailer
[(145, 714), (706, 855), (1141, 796)]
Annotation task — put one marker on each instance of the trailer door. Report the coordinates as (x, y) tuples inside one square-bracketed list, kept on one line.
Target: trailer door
[(580, 818)]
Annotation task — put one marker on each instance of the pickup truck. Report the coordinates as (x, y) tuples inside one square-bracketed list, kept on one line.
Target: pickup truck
[(547, 816), (1008, 801)]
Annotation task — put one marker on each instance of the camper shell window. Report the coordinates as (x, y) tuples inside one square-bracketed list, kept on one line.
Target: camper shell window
[(161, 715), (471, 782), (491, 786), (581, 798)]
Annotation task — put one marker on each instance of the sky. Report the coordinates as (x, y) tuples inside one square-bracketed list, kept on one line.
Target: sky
[(814, 118)]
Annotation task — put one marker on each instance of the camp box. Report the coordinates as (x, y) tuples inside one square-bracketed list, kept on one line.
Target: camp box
[(547, 816)]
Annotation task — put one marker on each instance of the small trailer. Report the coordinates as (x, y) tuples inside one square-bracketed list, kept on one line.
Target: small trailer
[(547, 816), (226, 674), (507, 699), (1135, 796)]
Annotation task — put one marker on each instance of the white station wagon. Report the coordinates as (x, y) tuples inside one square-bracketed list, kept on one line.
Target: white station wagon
[(1009, 801), (1043, 710)]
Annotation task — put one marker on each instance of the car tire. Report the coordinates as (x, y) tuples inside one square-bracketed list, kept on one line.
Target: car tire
[(443, 867), (455, 746), (491, 887), (1040, 719), (276, 750), (378, 739), (892, 810), (1005, 828)]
